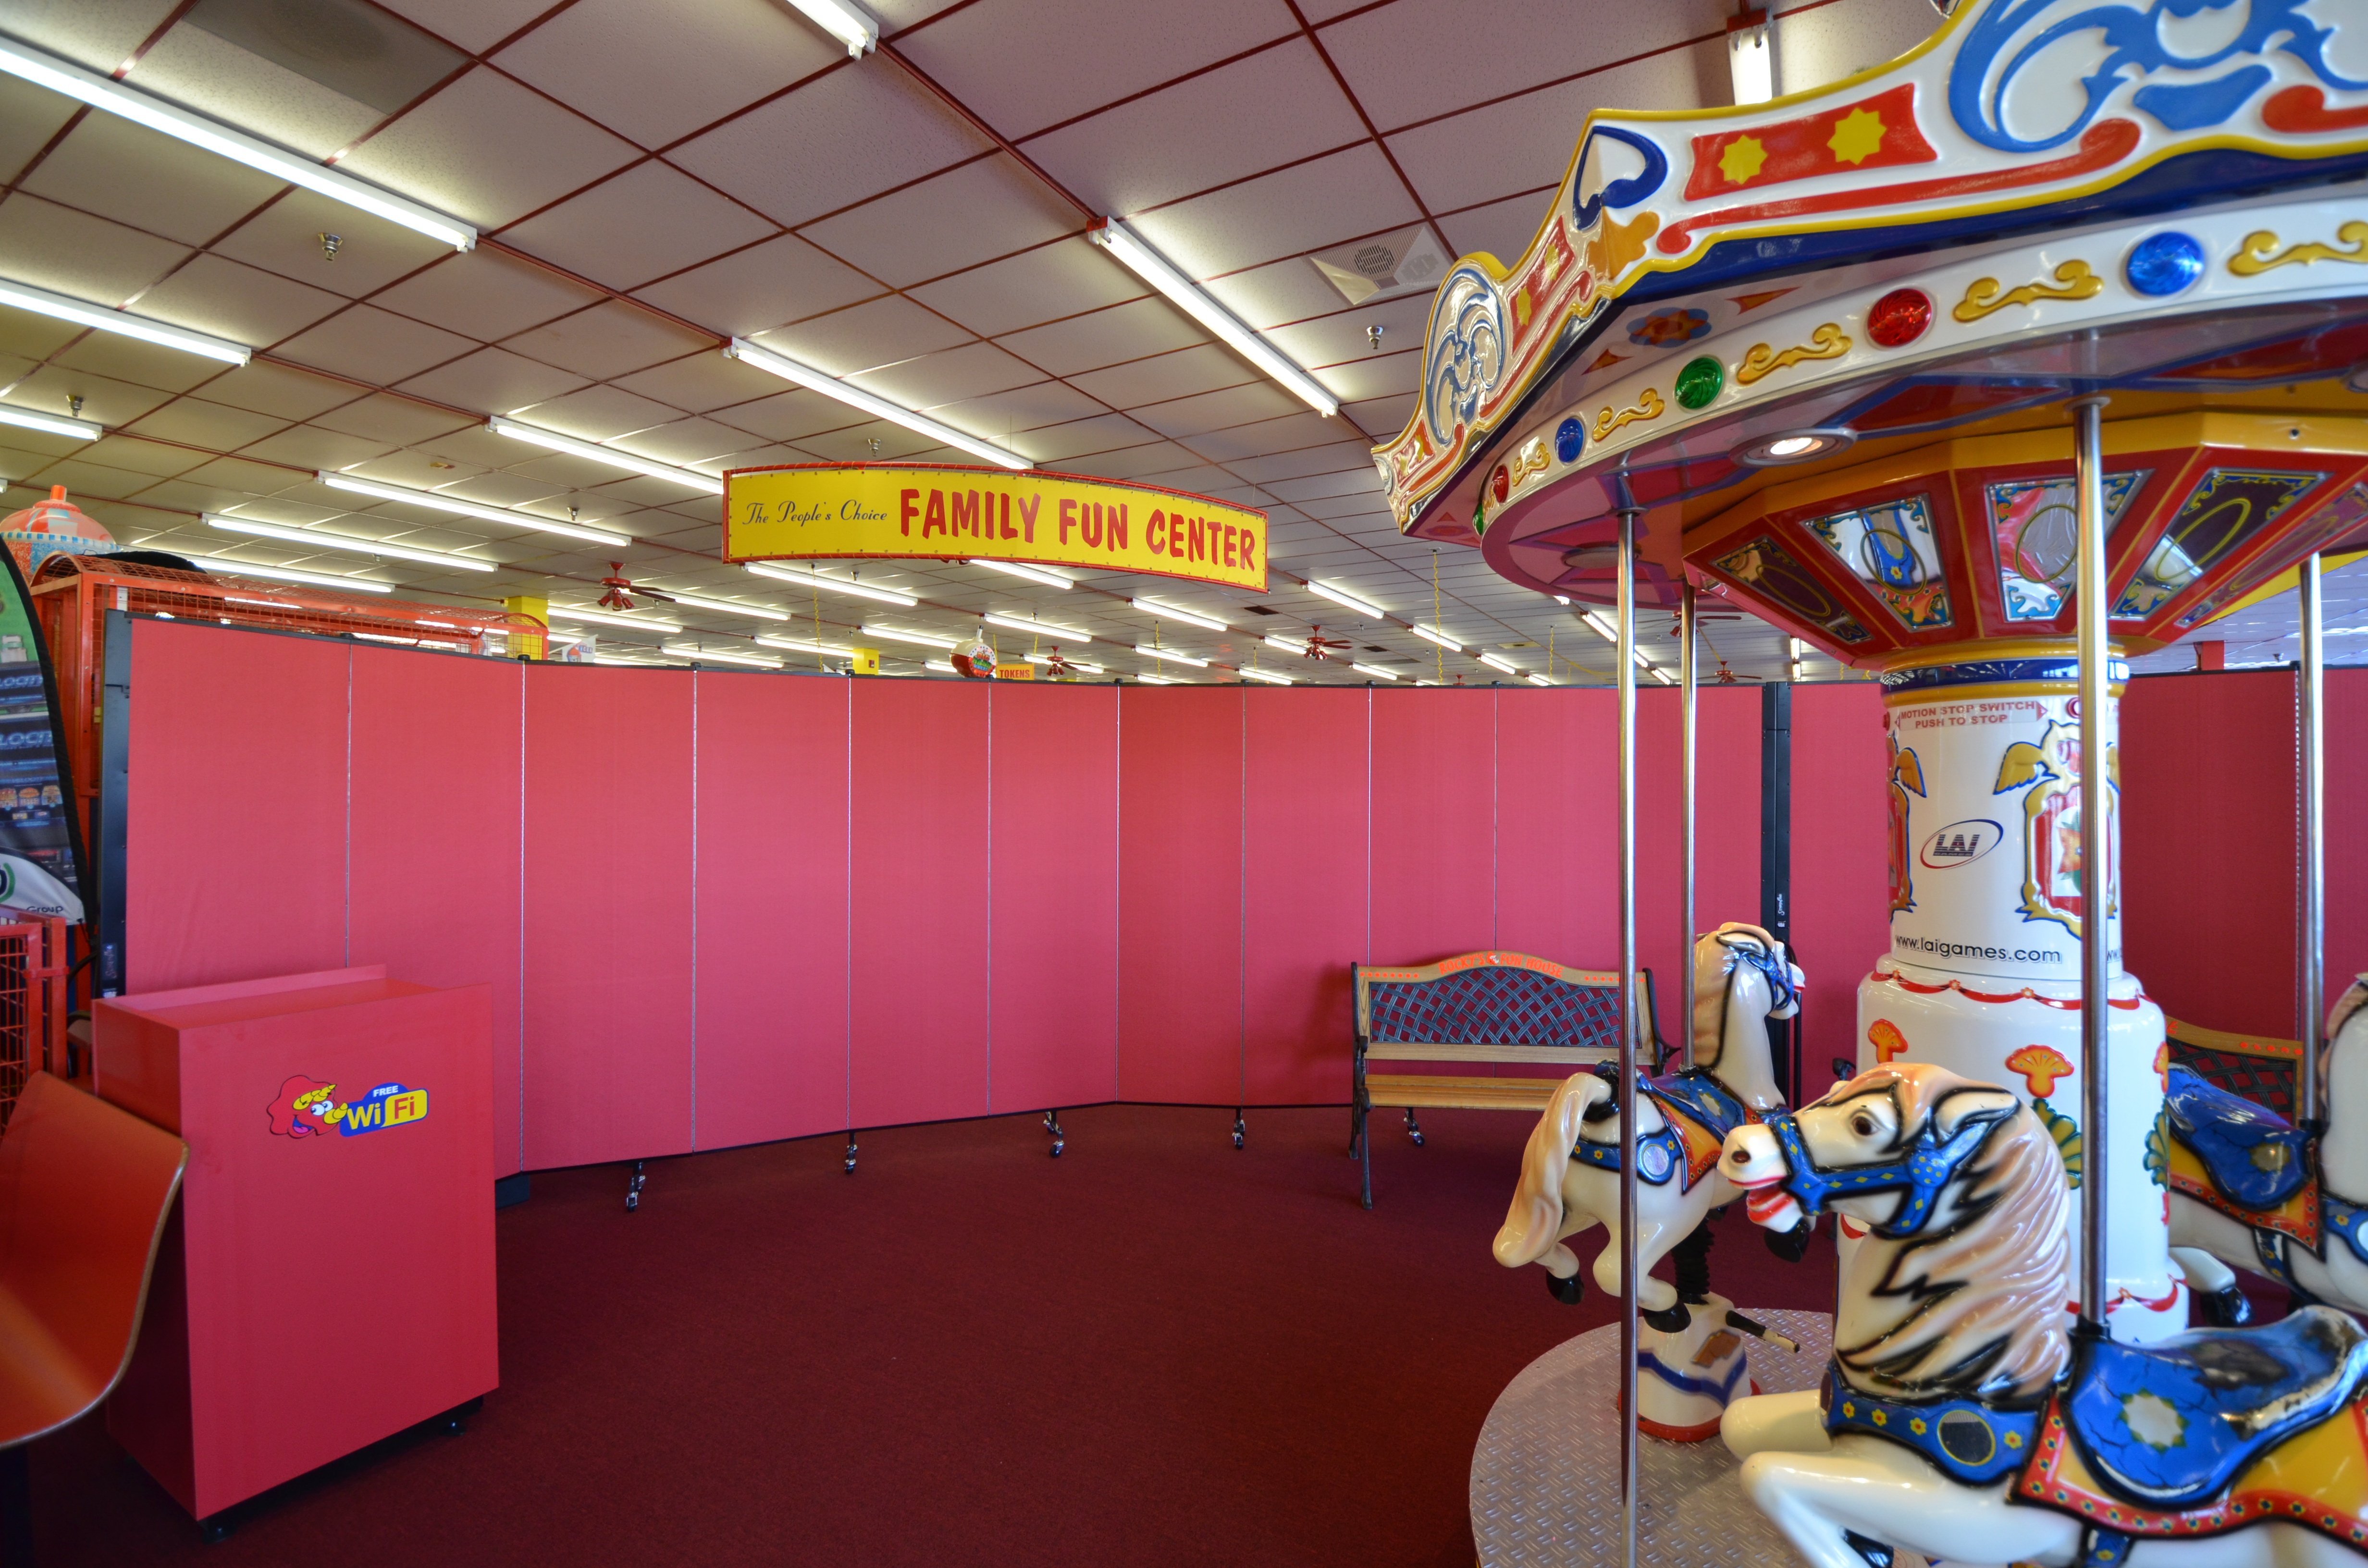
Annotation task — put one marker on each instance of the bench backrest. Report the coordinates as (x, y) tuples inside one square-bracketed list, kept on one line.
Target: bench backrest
[(1498, 998)]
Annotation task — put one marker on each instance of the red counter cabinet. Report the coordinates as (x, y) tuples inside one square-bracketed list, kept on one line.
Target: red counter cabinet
[(327, 1278)]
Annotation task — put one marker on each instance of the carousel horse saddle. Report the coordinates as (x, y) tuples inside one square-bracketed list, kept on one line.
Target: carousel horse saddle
[(1697, 1113), (2172, 1424), (2254, 1156)]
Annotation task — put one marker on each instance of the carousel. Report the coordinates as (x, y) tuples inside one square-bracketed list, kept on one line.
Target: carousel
[(1980, 372)]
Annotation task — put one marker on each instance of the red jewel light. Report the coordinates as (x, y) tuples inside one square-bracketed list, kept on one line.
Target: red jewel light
[(1899, 318), (1504, 482)]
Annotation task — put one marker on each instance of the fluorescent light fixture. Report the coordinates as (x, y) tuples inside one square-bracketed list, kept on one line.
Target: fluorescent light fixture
[(1351, 600), (1170, 655), (1169, 612), (54, 424), (319, 540), (1162, 680), (1603, 628), (836, 584), (1073, 664), (723, 607), (1748, 61), (1561, 598), (610, 618), (284, 574), (945, 666), (1663, 677), (615, 662), (104, 93), (1375, 671), (603, 454), (1042, 627), (1288, 647), (1155, 270), (756, 357), (897, 634), (827, 649), (1537, 680), (1033, 573), (1494, 663), (1433, 634), (844, 20), (40, 301), (507, 517), (1266, 676), (704, 656)]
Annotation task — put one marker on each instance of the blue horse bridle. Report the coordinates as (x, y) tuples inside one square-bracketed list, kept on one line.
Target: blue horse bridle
[(1923, 1171)]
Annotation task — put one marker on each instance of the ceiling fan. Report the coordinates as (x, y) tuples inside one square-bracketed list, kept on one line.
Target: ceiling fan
[(1318, 644)]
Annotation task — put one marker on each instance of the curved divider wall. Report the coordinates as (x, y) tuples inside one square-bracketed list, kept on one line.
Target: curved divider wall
[(722, 908)]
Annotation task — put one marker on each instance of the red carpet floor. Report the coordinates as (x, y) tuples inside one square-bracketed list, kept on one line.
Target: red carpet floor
[(1153, 1350)]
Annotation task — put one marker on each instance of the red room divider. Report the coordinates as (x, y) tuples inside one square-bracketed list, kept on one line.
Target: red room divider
[(723, 908)]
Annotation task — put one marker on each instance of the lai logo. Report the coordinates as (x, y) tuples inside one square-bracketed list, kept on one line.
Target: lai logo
[(1959, 843), (306, 1108)]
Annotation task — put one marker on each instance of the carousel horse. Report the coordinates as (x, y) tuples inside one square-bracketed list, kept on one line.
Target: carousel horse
[(2250, 1190), (1570, 1173), (1961, 1416)]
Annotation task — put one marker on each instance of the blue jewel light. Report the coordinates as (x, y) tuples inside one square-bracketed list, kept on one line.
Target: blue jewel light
[(1569, 437), (2162, 264)]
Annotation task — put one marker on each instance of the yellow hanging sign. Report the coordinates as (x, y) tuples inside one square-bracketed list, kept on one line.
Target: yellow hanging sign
[(935, 511)]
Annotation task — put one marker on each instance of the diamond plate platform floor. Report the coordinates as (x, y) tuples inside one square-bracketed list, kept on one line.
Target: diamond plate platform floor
[(1545, 1475)]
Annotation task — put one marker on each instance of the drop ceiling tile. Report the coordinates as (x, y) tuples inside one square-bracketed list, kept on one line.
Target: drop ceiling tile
[(1383, 417), (231, 300), (896, 444), (832, 143), (1038, 285), (1249, 440), (1283, 214), (1365, 480), (1131, 463), (1060, 443), (1108, 336), (73, 252), (1215, 411), (24, 335), (105, 401), (1184, 374), (789, 415), (1359, 508), (418, 470), (444, 152), (644, 224), (956, 220), (286, 238), (133, 455), (1000, 415), (1282, 291), (1277, 106), (594, 414), (181, 495), (657, 74), (309, 447), (213, 426), (279, 390), (1376, 375), (375, 345), (686, 441), (1000, 59), (784, 279), (97, 35), (974, 369), (1390, 54), (382, 417), (700, 383), (194, 68), (1530, 139), (864, 337), (1503, 229), (83, 477), (144, 364), (1340, 337), (609, 340), (493, 380), (486, 295), (1341, 457), (111, 167)]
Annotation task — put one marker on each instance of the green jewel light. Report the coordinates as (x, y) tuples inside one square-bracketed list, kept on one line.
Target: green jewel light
[(1700, 382)]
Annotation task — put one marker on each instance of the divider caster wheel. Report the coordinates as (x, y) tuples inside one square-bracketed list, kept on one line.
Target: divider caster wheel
[(851, 1155), (1241, 1129), (1053, 1126), (633, 1189), (1414, 1128), (213, 1529)]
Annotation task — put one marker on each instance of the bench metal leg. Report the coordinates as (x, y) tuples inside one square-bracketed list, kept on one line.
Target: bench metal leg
[(1414, 1128), (633, 1187), (1241, 1129), (1365, 1151), (850, 1153), (1052, 1129)]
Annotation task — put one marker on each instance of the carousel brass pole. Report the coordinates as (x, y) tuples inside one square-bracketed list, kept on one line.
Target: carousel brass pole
[(2095, 902), (1685, 735), (2314, 842), (1629, 1024)]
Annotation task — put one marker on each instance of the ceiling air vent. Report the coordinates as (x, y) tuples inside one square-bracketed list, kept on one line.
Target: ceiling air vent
[(1388, 264)]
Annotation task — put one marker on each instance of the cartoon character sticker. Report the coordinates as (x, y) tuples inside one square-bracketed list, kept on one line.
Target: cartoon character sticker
[(306, 1108), (2048, 774), (1907, 778)]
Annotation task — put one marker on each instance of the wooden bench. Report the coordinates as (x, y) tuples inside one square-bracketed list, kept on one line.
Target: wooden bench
[(1504, 1009)]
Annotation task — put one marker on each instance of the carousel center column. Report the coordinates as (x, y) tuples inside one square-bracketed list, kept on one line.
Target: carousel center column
[(1983, 973)]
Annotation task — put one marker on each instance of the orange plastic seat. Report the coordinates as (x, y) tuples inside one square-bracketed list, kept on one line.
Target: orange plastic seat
[(85, 1189)]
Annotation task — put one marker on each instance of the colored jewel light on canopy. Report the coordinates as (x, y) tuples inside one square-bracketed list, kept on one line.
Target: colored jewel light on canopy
[(2162, 264), (1899, 318)]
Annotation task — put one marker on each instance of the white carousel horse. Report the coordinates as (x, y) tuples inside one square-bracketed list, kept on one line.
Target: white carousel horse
[(1962, 1420), (1570, 1173), (2245, 1192)]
